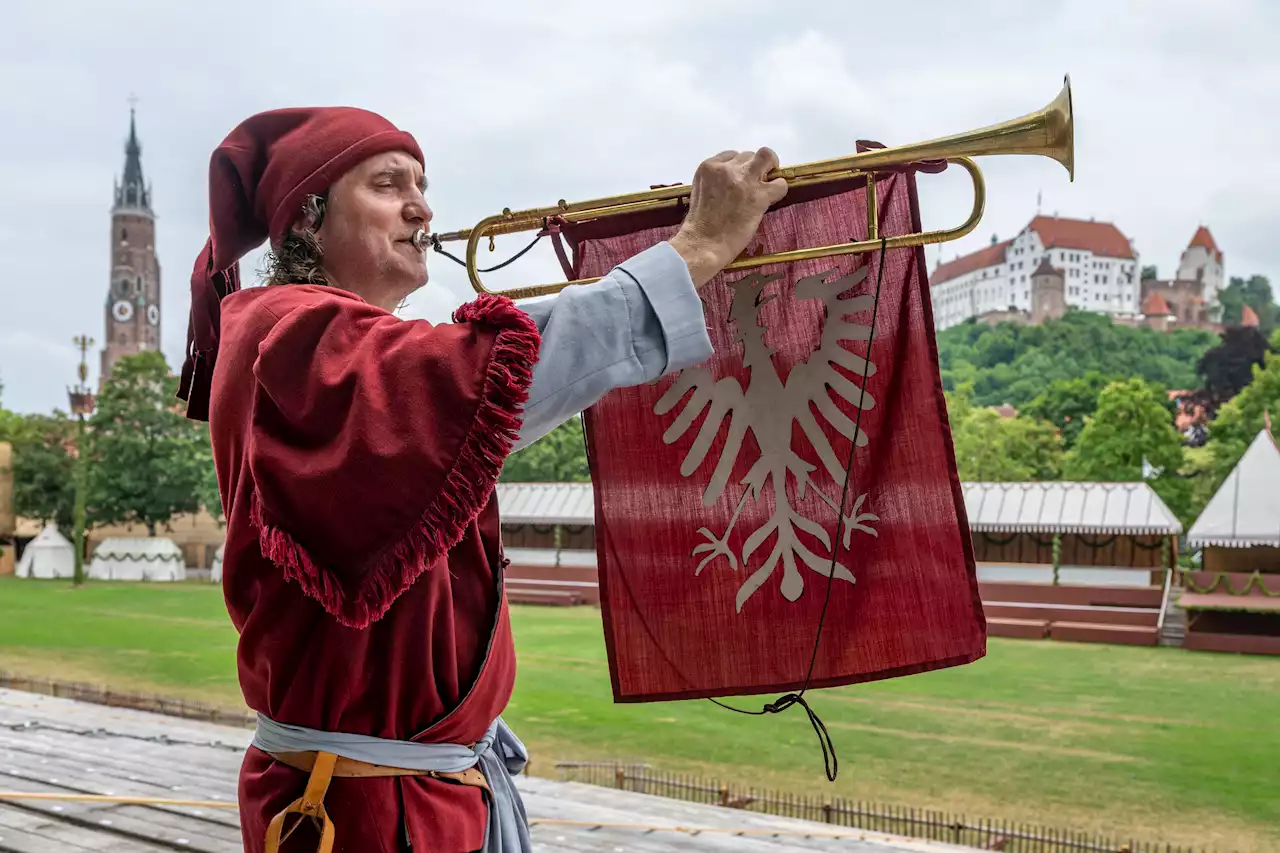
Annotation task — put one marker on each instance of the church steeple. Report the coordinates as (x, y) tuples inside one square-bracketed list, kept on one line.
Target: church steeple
[(132, 306), (133, 191)]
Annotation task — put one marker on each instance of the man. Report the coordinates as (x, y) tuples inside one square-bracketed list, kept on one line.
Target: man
[(357, 455)]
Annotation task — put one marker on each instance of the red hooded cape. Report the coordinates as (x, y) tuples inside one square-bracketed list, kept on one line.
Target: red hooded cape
[(356, 456)]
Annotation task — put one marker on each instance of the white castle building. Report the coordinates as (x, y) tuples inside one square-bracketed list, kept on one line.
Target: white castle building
[(1098, 264)]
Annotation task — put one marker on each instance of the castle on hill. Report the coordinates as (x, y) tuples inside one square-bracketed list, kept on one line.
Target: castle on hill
[(1054, 264)]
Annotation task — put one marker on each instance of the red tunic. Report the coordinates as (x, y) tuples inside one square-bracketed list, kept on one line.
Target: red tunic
[(358, 453)]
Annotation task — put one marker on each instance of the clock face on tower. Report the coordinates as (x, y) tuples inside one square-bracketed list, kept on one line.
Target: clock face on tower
[(153, 314), (122, 311)]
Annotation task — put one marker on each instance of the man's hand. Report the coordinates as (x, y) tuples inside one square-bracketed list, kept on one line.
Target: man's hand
[(729, 198)]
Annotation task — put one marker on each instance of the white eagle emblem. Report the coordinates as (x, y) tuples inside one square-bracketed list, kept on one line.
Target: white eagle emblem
[(768, 409)]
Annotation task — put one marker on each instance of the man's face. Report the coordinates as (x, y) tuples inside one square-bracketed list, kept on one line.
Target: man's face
[(371, 214)]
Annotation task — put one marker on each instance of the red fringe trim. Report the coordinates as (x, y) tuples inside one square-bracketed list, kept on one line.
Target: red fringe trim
[(467, 488)]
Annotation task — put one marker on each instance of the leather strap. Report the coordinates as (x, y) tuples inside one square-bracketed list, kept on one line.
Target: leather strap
[(323, 767), (351, 768), (309, 805)]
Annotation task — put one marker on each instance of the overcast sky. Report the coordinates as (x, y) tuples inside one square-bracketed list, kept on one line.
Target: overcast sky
[(519, 104)]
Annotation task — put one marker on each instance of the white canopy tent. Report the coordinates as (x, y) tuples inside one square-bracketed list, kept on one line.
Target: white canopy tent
[(215, 573), (49, 555), (1245, 511), (155, 559)]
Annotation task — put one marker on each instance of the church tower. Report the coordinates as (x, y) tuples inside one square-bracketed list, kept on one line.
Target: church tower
[(133, 297)]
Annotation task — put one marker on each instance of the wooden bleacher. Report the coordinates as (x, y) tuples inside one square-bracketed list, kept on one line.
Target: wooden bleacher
[(555, 585), (1082, 614), (1233, 612), (518, 593)]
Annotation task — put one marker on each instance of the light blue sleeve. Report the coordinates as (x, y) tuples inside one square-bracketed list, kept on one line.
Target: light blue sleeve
[(641, 321)]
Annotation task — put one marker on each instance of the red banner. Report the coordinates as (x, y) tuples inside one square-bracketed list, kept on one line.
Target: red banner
[(717, 489)]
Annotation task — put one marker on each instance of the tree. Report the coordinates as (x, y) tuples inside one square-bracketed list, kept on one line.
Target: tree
[(210, 497), (1239, 420), (10, 422), (991, 448), (1014, 364), (1200, 475), (1149, 272), (1254, 292), (146, 460), (1132, 425), (1066, 403), (43, 464), (1227, 368), (560, 456)]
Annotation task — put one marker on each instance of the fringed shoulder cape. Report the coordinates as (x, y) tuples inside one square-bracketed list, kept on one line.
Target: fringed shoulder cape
[(356, 456)]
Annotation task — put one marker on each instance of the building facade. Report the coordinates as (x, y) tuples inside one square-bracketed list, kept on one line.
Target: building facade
[(1201, 262), (1192, 297), (132, 308), (1097, 263)]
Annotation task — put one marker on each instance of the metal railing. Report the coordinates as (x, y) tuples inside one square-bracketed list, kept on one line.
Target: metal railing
[(984, 834)]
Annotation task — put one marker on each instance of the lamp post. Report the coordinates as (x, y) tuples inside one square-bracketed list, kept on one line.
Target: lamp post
[(81, 405)]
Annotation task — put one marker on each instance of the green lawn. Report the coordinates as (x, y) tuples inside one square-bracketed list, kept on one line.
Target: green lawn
[(1158, 743)]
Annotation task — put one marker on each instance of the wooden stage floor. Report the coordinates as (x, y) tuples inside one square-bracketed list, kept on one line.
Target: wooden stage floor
[(57, 745)]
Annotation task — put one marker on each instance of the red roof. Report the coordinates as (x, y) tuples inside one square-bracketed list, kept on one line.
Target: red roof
[(1101, 238), (988, 257), (1204, 239), (1155, 305), (1248, 317)]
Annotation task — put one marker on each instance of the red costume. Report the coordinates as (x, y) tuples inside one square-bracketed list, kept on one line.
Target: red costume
[(356, 456)]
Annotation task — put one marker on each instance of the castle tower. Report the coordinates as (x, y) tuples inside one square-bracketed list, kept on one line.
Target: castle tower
[(132, 309), (1202, 262), (1048, 292)]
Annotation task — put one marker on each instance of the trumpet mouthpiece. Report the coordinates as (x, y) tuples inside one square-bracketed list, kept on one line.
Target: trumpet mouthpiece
[(421, 240)]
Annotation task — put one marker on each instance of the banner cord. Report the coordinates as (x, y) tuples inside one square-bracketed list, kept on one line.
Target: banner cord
[(782, 703)]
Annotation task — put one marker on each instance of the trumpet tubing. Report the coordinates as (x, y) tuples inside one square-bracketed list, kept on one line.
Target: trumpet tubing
[(1048, 132)]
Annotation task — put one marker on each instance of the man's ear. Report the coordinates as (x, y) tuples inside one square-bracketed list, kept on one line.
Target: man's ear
[(312, 219)]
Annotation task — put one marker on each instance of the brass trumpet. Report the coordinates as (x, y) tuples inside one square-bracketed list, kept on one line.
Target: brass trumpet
[(1048, 132)]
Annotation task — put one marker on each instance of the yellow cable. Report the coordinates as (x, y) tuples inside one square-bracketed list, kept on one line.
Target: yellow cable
[(124, 801)]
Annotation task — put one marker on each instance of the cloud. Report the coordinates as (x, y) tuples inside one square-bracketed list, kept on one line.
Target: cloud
[(520, 104)]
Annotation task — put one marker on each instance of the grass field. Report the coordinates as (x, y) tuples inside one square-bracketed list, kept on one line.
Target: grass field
[(1157, 743)]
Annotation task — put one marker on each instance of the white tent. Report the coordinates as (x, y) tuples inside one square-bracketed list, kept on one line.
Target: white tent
[(215, 574), (1245, 511), (155, 559), (49, 555)]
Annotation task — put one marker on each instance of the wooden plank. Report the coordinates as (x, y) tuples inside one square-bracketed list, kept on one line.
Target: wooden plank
[(32, 832), (71, 749), (121, 773), (136, 822), (1013, 592), (527, 595), (1231, 643), (1144, 617), (103, 784), (1082, 632), (1018, 629), (164, 772), (520, 572)]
